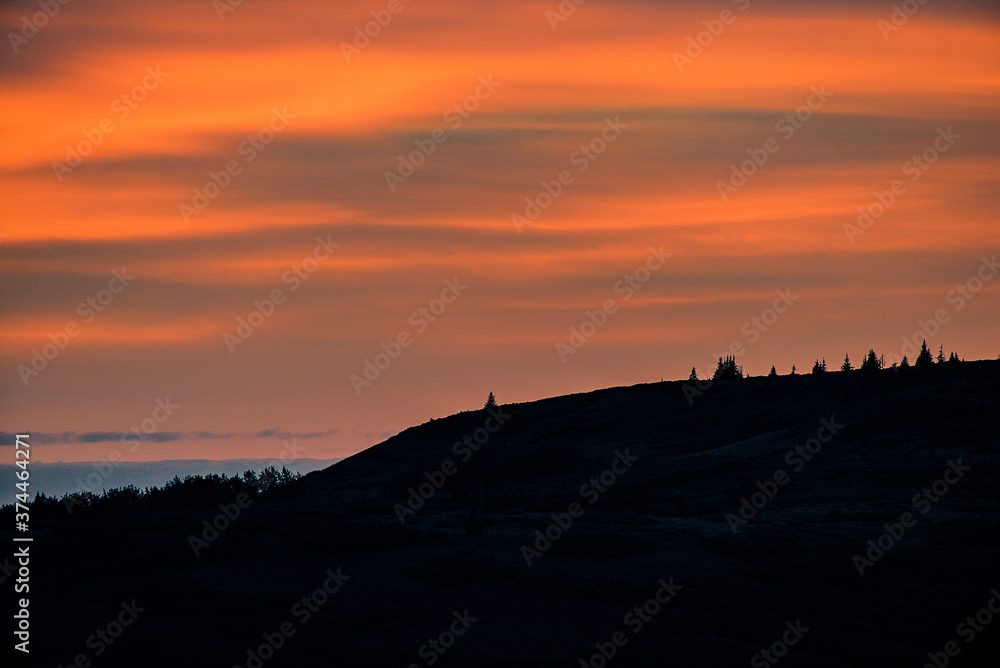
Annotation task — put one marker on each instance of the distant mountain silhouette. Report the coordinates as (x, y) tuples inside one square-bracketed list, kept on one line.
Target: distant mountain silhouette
[(846, 519)]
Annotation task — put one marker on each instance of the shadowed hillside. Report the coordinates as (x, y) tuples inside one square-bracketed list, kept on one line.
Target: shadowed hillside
[(635, 526)]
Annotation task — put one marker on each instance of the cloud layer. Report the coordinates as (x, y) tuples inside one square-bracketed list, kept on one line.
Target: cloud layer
[(252, 173)]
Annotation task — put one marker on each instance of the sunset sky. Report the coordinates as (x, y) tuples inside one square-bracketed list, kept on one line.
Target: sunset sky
[(217, 156)]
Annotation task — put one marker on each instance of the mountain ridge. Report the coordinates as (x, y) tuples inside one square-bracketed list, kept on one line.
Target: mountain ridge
[(862, 507)]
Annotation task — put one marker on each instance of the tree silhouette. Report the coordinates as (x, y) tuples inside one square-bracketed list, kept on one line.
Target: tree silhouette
[(924, 358), (793, 369), (192, 491), (846, 366), (905, 364), (871, 362), (491, 402), (819, 367), (773, 374), (727, 370), (940, 355), (694, 375)]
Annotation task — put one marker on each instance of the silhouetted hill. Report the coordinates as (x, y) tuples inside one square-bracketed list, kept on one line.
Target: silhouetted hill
[(640, 492)]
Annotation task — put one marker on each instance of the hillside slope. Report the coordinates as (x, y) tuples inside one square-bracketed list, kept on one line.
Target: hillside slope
[(634, 493)]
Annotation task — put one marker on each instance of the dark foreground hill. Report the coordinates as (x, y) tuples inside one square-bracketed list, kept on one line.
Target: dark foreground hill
[(830, 520)]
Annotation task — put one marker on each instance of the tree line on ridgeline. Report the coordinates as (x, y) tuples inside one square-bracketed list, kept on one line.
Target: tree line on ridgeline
[(192, 491), (728, 369)]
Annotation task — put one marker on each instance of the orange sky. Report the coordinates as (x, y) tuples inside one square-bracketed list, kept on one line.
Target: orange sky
[(160, 96)]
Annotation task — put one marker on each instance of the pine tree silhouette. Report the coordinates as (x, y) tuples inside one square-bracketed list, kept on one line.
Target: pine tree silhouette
[(694, 375), (940, 355), (728, 370), (846, 366), (491, 402), (773, 374), (871, 362), (905, 364), (924, 358)]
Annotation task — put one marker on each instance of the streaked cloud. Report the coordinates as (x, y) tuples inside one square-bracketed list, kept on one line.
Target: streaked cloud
[(83, 438), (324, 177)]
